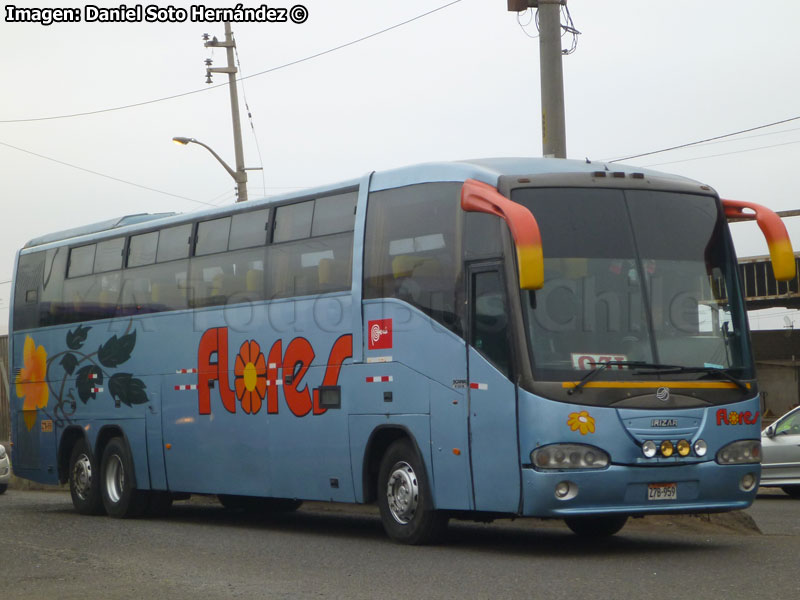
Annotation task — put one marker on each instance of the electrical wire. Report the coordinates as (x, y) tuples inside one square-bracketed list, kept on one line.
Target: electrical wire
[(672, 162), (264, 72), (66, 164), (711, 139)]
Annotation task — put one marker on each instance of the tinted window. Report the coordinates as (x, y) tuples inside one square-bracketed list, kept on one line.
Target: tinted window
[(109, 255), (293, 221), (173, 243), (30, 271), (81, 261), (490, 335), (334, 214), (249, 229), (228, 278), (154, 288), (310, 266), (212, 236), (411, 249), (142, 250)]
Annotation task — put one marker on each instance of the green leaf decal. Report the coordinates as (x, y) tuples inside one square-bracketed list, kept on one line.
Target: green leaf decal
[(89, 378), (116, 350), (76, 338), (69, 362), (127, 389)]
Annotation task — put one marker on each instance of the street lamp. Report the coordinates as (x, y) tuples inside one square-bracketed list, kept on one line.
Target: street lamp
[(240, 177)]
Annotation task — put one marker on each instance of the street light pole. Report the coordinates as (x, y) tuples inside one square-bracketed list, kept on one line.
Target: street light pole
[(240, 177), (231, 70)]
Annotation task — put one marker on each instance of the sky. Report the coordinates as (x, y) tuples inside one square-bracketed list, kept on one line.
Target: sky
[(460, 82)]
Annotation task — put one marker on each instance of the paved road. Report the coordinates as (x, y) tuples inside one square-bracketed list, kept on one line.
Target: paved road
[(202, 551)]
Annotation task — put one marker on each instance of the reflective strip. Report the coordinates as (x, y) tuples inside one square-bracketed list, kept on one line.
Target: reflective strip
[(380, 379), (478, 386), (278, 382), (96, 390), (186, 387), (182, 371), (93, 375)]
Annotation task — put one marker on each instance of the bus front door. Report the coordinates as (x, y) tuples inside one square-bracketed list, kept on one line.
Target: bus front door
[(492, 394)]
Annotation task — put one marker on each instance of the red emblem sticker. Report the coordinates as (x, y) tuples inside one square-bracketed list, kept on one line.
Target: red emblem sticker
[(380, 334)]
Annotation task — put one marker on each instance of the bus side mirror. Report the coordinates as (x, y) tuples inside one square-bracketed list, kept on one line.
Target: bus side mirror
[(780, 247), (477, 196), (770, 431)]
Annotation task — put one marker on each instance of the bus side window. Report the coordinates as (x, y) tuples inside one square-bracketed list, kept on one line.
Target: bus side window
[(412, 249), (490, 335)]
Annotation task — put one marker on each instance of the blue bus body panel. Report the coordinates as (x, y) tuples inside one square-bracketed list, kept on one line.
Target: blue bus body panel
[(702, 484)]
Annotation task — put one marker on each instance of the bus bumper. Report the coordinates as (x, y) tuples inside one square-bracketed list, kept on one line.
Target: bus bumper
[(700, 488)]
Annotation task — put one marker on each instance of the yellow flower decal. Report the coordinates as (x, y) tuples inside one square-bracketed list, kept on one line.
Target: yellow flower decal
[(733, 418), (581, 421), (32, 381)]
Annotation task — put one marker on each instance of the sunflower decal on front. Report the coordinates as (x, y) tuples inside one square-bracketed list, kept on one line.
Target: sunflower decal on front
[(581, 421), (250, 371), (32, 381)]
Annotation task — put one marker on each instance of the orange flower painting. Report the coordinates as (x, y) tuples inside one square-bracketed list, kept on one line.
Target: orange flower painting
[(32, 381), (582, 422), (250, 371)]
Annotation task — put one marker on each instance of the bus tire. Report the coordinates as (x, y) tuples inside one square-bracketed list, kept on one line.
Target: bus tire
[(121, 499), (596, 527), (404, 497), (84, 480)]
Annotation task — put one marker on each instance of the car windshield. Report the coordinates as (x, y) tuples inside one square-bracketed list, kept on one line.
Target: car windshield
[(642, 280)]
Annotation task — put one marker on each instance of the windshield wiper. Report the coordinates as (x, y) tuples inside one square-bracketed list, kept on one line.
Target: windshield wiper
[(667, 369), (603, 366)]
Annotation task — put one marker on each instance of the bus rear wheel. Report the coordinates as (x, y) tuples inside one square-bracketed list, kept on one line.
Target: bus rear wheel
[(405, 499), (118, 489), (596, 527), (84, 486), (792, 490)]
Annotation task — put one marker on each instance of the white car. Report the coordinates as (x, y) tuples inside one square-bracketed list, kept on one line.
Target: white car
[(5, 469), (780, 447)]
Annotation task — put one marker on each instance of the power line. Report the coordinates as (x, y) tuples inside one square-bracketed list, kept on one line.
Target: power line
[(66, 164), (711, 139), (672, 162), (271, 70)]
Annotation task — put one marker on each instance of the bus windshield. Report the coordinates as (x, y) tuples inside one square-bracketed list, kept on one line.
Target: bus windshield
[(634, 276)]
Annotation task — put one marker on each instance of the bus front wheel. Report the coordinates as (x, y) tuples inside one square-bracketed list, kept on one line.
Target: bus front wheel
[(84, 476), (405, 499), (596, 527), (120, 496)]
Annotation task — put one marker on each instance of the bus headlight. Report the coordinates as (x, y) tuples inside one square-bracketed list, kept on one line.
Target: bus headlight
[(741, 452), (569, 456)]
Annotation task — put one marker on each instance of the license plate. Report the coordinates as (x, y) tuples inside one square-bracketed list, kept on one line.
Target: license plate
[(662, 491)]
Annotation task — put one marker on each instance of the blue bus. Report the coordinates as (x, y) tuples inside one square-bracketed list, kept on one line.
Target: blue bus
[(470, 340)]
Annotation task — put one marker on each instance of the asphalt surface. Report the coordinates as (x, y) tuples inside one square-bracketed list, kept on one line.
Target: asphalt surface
[(334, 551)]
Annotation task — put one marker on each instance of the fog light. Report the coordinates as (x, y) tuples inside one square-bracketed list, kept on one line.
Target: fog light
[(562, 489), (667, 448), (684, 448), (649, 449), (566, 490), (700, 447), (748, 482)]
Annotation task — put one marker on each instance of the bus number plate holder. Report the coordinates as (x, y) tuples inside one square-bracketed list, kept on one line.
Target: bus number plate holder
[(662, 491)]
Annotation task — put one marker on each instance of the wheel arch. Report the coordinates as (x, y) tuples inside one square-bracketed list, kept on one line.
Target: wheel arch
[(379, 441), (69, 438)]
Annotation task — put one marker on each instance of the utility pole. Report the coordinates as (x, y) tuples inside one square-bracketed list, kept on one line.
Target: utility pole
[(554, 134), (229, 44)]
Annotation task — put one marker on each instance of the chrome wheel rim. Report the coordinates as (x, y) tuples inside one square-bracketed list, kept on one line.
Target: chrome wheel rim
[(402, 493), (82, 476), (115, 479)]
